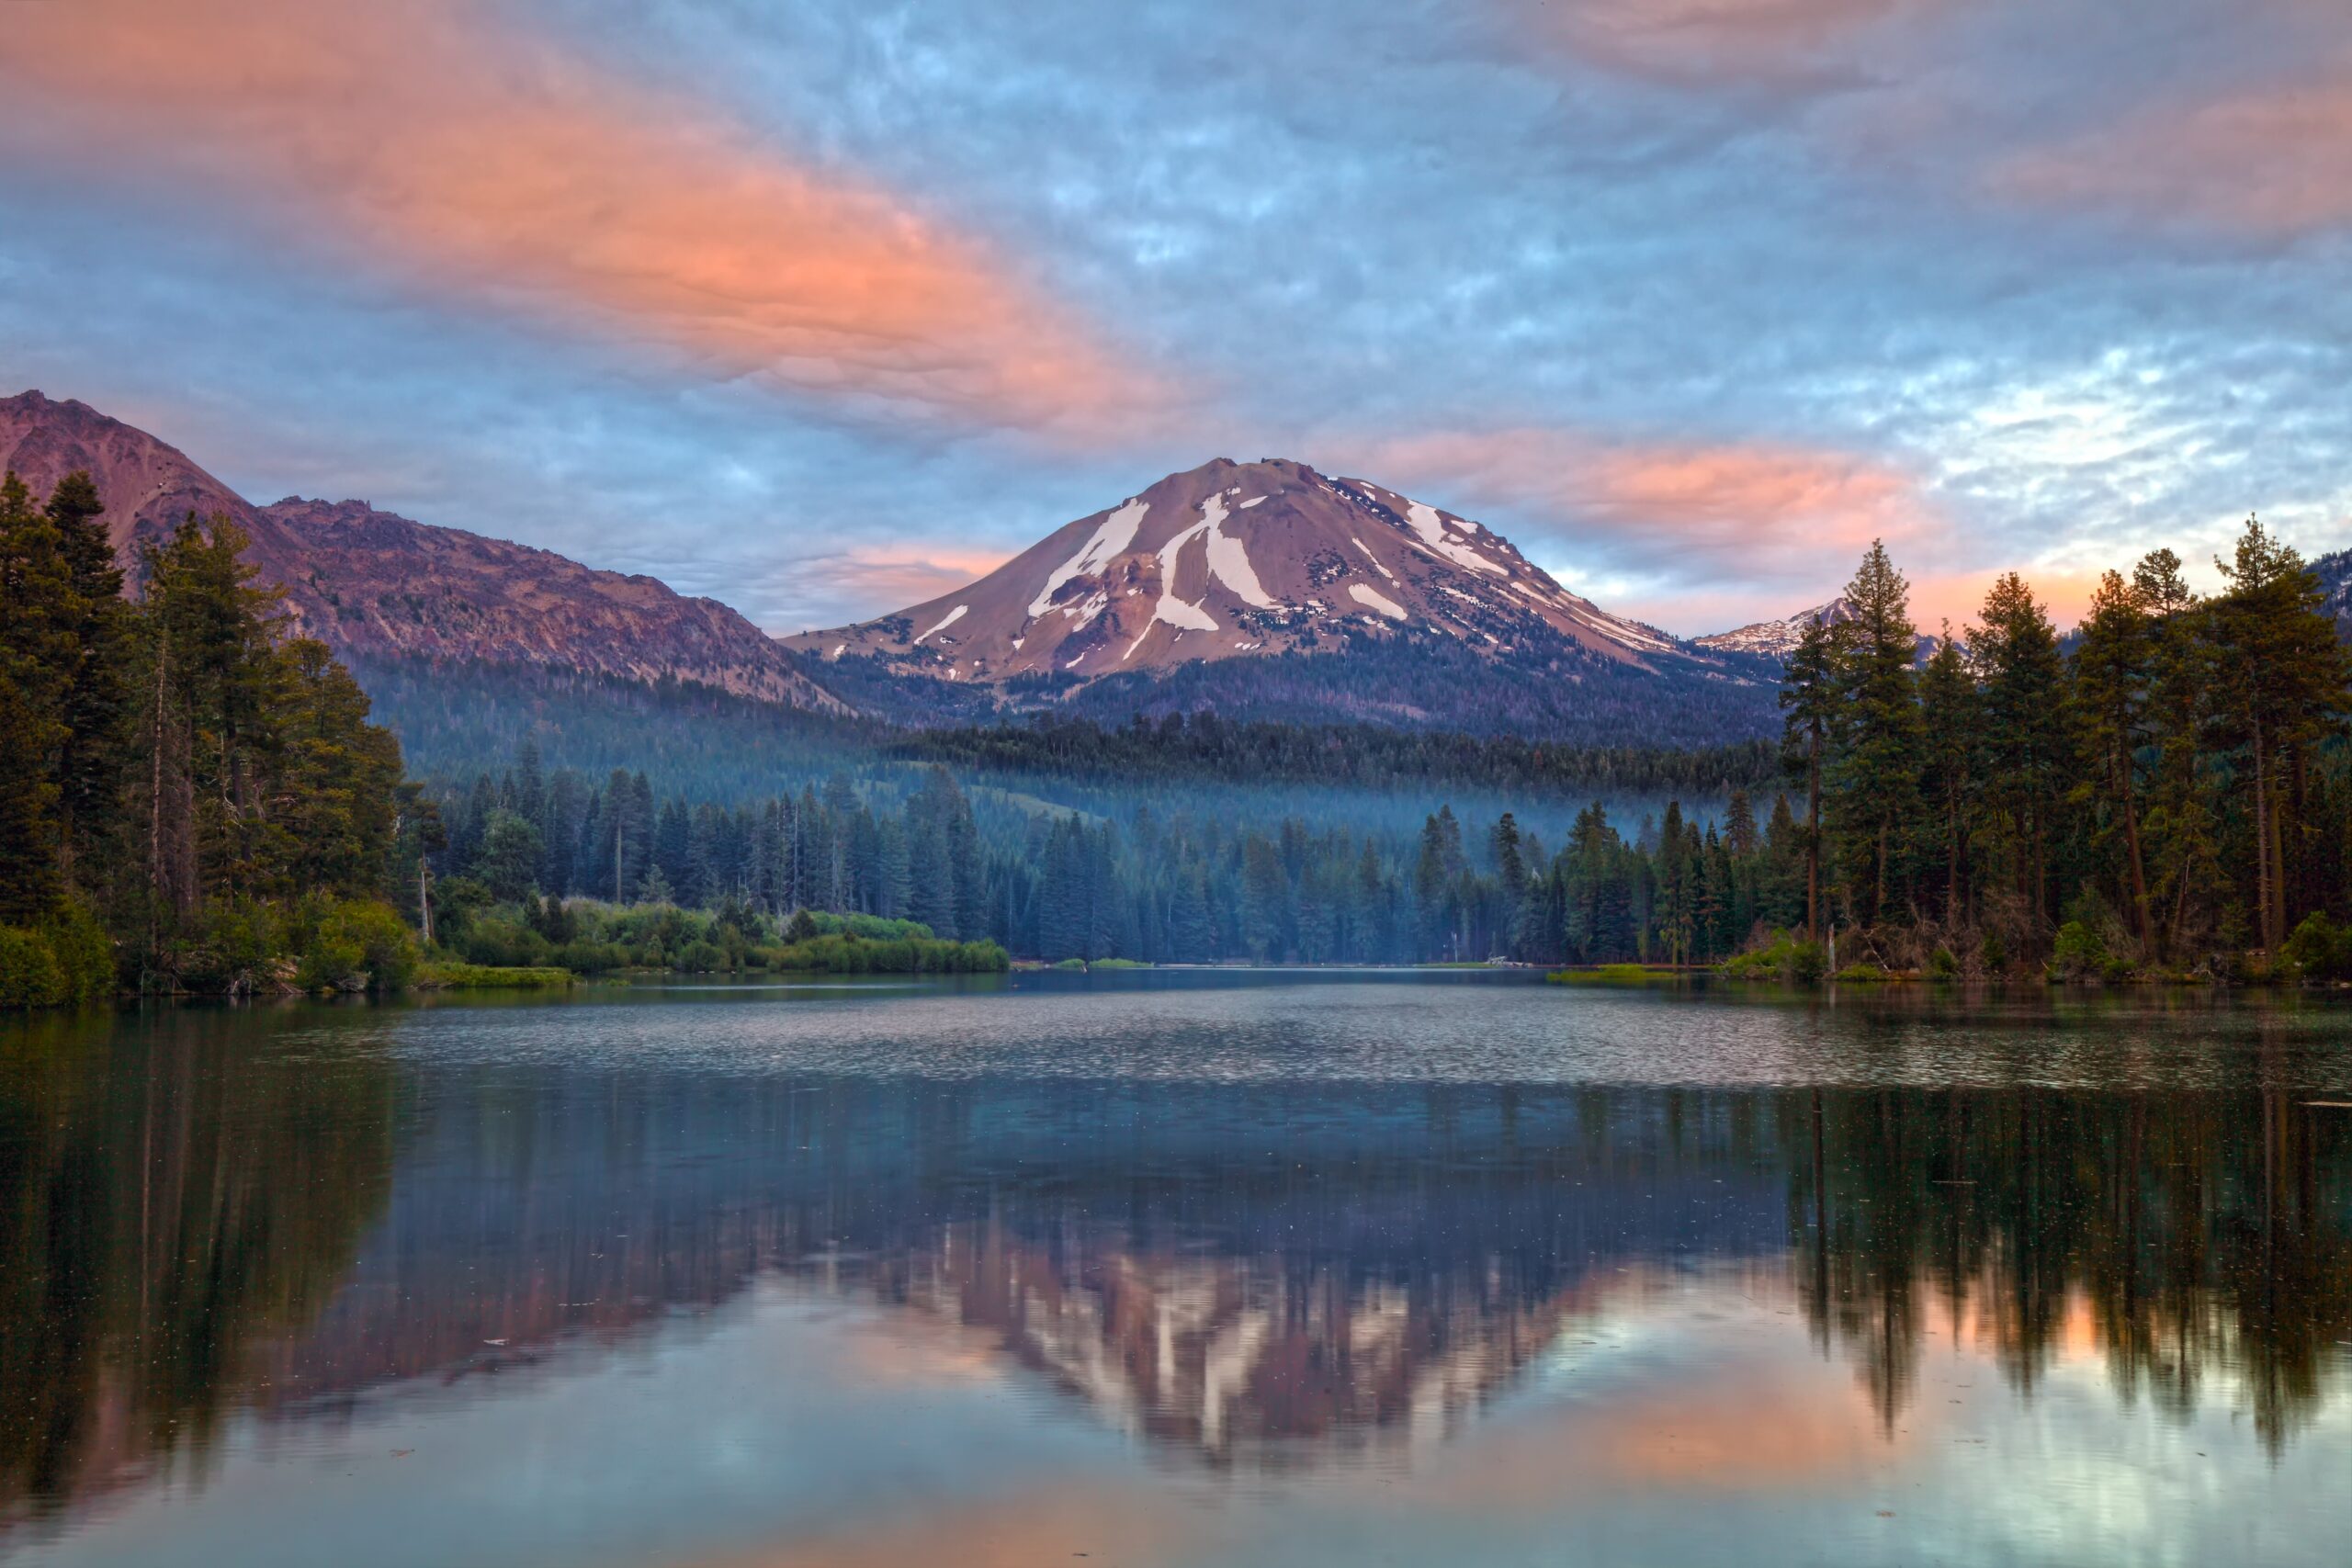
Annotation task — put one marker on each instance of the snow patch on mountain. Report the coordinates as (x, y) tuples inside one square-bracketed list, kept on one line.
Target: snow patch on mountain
[(1431, 528), (1109, 542), (1373, 598), (1228, 561), (945, 621)]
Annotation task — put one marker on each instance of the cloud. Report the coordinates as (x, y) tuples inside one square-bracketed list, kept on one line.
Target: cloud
[(863, 580), (1959, 597), (1715, 44), (1045, 1523), (2272, 160), (1687, 508), (487, 166)]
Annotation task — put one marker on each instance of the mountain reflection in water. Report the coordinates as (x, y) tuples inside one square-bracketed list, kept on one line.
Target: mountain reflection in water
[(214, 1213)]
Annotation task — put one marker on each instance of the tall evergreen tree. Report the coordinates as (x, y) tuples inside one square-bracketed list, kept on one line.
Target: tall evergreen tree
[(1873, 776), (1948, 777), (2113, 659), (2283, 685), (1809, 706), (2027, 736), (2183, 852)]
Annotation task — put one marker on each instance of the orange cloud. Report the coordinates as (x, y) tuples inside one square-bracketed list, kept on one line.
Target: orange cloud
[(1045, 1523), (490, 167), (2274, 161), (1959, 597), (1707, 43), (1764, 1430), (892, 575), (1759, 499)]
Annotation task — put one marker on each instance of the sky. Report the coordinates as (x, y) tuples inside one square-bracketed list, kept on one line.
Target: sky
[(823, 306)]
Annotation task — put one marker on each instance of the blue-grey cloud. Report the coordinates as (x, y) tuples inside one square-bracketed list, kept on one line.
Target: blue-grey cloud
[(1872, 265)]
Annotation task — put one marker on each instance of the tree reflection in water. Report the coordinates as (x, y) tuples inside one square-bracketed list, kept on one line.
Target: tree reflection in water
[(2180, 1234), (1276, 1273), (162, 1212)]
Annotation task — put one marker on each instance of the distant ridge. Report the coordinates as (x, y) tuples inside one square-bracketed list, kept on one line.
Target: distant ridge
[(1778, 639), (374, 586)]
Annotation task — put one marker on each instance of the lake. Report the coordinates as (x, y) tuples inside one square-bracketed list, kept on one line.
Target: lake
[(1173, 1269)]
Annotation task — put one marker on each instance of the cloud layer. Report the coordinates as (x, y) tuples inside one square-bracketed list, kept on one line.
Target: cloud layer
[(812, 305), (487, 166)]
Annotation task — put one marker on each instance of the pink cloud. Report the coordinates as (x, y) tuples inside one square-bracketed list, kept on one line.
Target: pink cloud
[(1779, 509), (2275, 162), (864, 579), (488, 167), (1959, 597), (1711, 43)]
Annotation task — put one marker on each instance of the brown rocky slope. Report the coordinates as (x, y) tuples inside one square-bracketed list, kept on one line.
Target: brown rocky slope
[(376, 586)]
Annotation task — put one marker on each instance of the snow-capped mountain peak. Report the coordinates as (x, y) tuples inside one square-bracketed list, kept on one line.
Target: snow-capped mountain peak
[(1232, 560)]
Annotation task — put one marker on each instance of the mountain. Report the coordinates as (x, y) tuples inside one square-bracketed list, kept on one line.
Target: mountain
[(1776, 640), (379, 588), (1260, 590), (2335, 574), (1267, 589), (1233, 560)]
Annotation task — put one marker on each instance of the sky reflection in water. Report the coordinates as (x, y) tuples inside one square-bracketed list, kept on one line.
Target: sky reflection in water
[(1178, 1271)]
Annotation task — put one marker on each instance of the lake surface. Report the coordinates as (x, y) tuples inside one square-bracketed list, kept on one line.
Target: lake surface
[(1179, 1270)]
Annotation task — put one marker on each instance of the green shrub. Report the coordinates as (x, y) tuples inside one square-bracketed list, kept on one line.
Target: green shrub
[(84, 951), (870, 928), (234, 949), (2080, 954), (929, 955), (1072, 963), (1942, 964), (591, 957), (30, 975), (455, 901), (500, 943), (702, 958), (2319, 948), (1786, 958), (330, 962), (481, 977), (356, 944), (1863, 974), (1606, 974)]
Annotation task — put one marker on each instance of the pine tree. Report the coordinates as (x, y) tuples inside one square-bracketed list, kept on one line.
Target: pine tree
[(35, 657), (2027, 730), (2112, 662), (1809, 706), (94, 751), (1948, 778), (1873, 776), (2183, 857), (1739, 825), (2282, 683)]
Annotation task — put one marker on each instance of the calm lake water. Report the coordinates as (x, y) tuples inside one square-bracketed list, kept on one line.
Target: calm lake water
[(1179, 1270)]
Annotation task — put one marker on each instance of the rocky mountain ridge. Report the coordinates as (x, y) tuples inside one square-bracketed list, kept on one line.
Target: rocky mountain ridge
[(1230, 560), (374, 586)]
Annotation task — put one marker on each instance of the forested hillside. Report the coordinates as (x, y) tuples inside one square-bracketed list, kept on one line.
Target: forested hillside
[(188, 797), (2164, 791), (191, 798), (1148, 884)]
